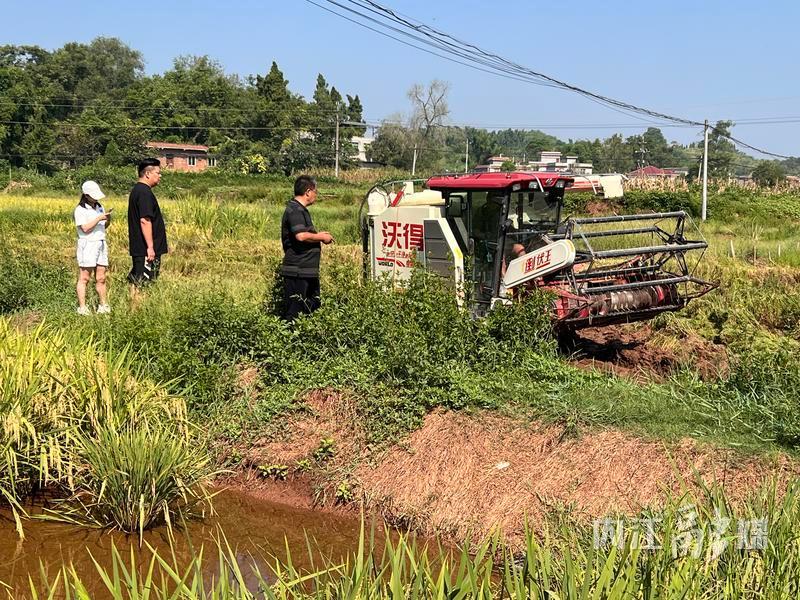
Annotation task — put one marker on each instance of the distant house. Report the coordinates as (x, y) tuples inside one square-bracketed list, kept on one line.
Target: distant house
[(553, 162), (548, 162), (493, 165), (183, 157), (360, 145), (651, 172)]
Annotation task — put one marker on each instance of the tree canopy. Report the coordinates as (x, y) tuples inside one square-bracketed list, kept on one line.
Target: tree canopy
[(87, 103)]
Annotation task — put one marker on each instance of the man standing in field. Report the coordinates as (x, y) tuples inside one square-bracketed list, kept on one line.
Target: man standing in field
[(302, 249), (147, 235)]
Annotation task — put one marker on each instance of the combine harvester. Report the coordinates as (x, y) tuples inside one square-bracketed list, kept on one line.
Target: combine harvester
[(495, 235)]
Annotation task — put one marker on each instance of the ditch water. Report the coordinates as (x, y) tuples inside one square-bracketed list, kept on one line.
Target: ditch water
[(255, 529)]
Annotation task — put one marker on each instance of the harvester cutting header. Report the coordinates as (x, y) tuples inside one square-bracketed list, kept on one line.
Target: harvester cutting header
[(496, 235)]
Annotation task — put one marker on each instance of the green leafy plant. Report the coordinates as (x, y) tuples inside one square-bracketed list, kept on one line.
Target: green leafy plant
[(277, 472), (344, 492), (324, 451)]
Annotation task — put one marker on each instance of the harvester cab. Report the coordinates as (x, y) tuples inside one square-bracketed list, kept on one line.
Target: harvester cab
[(495, 235)]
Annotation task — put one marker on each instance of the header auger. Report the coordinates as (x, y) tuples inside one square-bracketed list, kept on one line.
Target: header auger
[(495, 235)]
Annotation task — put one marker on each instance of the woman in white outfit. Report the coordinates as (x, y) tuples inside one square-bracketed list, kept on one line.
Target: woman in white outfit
[(91, 220)]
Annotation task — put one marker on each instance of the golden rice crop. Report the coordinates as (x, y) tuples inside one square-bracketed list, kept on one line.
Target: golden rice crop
[(57, 394)]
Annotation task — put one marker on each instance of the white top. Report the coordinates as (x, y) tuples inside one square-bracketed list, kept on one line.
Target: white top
[(84, 215)]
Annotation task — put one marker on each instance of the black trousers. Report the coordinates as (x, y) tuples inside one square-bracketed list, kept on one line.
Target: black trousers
[(300, 296), (143, 271)]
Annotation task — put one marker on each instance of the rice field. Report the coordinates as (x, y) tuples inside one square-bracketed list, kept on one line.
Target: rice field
[(159, 394)]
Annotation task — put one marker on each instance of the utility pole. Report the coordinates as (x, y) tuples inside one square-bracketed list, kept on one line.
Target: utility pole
[(705, 171), (336, 169), (414, 162), (466, 158), (642, 152)]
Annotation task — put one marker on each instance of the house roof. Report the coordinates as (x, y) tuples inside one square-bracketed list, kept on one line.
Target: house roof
[(180, 146), (650, 170), (493, 181)]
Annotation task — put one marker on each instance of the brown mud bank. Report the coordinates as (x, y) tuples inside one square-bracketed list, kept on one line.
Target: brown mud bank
[(465, 475), (637, 351)]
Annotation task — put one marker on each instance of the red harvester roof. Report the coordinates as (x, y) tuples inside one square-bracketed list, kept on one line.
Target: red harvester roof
[(493, 181)]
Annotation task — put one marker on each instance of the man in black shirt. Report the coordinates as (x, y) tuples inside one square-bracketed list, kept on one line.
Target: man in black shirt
[(302, 249), (147, 235)]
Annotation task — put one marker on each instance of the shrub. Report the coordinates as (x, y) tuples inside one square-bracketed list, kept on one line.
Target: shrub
[(69, 410), (26, 284), (135, 478)]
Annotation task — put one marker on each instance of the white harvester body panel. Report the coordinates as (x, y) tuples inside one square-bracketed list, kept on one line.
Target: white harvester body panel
[(410, 228), (397, 239), (540, 262), (612, 186)]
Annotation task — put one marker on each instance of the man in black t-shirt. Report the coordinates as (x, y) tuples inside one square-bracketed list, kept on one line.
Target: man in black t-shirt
[(147, 235), (302, 249)]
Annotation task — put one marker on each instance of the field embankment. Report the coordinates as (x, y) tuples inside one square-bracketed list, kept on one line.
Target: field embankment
[(468, 475)]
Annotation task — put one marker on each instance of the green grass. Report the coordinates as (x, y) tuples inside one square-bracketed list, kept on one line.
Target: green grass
[(397, 355), (402, 355), (134, 478)]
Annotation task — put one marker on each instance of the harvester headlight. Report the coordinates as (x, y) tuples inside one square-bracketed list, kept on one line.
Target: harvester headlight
[(560, 183)]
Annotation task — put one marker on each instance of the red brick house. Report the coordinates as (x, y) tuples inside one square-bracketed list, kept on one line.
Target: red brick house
[(182, 156)]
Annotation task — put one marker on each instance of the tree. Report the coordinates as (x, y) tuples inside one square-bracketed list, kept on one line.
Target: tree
[(393, 146), (585, 150), (84, 72), (190, 101), (658, 148), (273, 87), (277, 114), (429, 111), (429, 104), (615, 155), (769, 173), (721, 151), (508, 166), (537, 142), (791, 166), (482, 145), (102, 131)]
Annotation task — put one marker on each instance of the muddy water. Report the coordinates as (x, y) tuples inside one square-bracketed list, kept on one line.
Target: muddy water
[(254, 528)]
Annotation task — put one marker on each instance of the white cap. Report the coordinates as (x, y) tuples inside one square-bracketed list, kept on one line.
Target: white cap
[(91, 189)]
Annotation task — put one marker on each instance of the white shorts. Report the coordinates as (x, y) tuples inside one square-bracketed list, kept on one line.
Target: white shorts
[(92, 254)]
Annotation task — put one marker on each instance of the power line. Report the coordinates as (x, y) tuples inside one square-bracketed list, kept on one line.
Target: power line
[(501, 66), (67, 125), (104, 105), (420, 48)]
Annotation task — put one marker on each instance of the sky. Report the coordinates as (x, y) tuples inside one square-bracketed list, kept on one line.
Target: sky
[(710, 59)]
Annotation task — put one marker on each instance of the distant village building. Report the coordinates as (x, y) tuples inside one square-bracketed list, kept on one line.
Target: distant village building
[(651, 172), (549, 161), (360, 145), (494, 164), (182, 156)]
